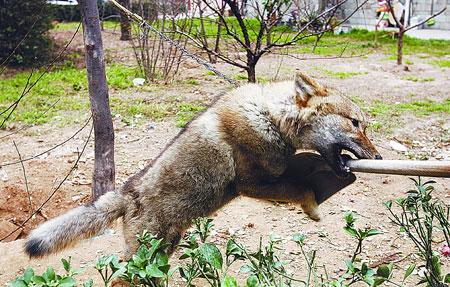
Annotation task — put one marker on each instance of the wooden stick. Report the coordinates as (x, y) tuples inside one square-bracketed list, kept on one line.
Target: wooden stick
[(431, 168)]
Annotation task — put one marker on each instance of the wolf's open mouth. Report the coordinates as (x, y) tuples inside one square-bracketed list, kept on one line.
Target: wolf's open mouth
[(339, 162)]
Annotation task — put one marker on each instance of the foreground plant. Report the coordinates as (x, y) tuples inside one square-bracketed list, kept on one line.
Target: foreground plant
[(423, 218), (420, 217), (49, 277)]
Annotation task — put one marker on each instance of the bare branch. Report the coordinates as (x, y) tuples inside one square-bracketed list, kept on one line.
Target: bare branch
[(424, 21), (50, 149), (29, 126), (25, 178), (27, 89), (39, 209)]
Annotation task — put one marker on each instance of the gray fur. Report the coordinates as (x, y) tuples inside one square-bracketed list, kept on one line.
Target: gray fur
[(240, 146)]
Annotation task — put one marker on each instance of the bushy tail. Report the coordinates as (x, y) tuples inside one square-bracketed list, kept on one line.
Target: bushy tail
[(79, 223)]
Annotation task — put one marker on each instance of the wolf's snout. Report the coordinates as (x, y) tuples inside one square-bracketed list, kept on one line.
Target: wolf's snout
[(378, 156)]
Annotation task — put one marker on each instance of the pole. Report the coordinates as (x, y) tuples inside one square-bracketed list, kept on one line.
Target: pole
[(431, 168)]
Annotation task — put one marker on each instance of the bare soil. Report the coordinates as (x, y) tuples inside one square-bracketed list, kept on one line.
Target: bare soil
[(246, 219)]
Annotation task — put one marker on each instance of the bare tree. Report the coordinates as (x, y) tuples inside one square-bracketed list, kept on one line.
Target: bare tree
[(125, 25), (404, 27), (252, 36), (104, 169), (157, 59)]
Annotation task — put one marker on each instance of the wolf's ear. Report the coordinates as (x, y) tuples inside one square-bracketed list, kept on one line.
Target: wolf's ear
[(305, 88)]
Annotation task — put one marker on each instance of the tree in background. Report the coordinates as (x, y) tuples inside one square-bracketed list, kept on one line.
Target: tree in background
[(256, 30), (403, 27), (125, 25), (24, 27)]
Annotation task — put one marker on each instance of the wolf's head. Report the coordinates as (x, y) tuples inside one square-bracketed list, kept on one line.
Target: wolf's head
[(329, 123)]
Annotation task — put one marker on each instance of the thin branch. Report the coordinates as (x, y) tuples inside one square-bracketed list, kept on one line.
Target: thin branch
[(424, 21), (3, 64), (50, 149), (25, 178), (75, 165), (29, 126), (15, 104)]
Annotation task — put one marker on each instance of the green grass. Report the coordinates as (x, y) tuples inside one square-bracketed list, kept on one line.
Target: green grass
[(418, 79), (384, 114), (187, 111), (341, 74), (66, 26), (360, 42), (443, 63), (420, 108), (67, 84)]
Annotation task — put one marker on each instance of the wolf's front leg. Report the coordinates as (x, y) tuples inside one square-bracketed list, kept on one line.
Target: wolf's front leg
[(284, 191)]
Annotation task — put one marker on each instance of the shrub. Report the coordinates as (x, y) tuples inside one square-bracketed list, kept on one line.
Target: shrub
[(27, 20)]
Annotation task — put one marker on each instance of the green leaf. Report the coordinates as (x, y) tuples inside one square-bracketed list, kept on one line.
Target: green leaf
[(245, 269), (38, 280), (66, 264), (88, 283), (349, 218), (212, 255), (229, 282), (350, 265), (50, 274), (67, 282), (409, 271), (29, 273), (383, 271), (378, 281), (142, 273), (388, 204), (299, 238), (447, 278), (373, 232), (351, 231), (18, 283), (436, 262), (233, 249), (252, 281), (153, 271)]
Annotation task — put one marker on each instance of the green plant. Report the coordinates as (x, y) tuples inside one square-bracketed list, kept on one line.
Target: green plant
[(420, 217), (24, 39), (49, 278)]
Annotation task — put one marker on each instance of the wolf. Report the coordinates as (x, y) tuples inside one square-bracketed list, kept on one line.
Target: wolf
[(241, 145)]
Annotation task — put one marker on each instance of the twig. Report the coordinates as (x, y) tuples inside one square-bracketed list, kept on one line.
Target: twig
[(3, 64), (75, 165), (424, 21), (25, 177), (27, 89), (50, 149), (29, 126)]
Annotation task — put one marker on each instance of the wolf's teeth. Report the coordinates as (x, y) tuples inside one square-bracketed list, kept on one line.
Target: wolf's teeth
[(346, 168)]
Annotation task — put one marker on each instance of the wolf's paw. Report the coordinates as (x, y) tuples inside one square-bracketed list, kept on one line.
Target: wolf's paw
[(314, 214)]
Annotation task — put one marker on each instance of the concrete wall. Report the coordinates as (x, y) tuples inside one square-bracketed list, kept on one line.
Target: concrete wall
[(421, 8)]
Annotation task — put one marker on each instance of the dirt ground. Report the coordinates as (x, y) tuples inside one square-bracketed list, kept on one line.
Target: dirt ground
[(378, 79)]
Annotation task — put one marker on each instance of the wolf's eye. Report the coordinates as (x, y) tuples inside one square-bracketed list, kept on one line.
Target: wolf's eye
[(355, 123)]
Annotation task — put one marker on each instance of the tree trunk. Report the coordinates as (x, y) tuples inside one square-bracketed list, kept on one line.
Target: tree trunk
[(104, 170), (125, 25), (401, 33), (251, 73)]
